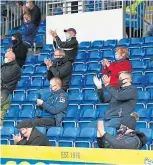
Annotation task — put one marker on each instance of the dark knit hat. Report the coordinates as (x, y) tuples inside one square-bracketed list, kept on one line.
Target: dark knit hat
[(17, 35), (25, 124), (129, 121)]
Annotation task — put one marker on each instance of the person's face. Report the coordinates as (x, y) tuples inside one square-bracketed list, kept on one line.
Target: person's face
[(54, 86), (57, 55), (125, 79), (24, 132), (8, 56), (123, 129), (17, 4), (72, 34), (13, 38), (30, 4)]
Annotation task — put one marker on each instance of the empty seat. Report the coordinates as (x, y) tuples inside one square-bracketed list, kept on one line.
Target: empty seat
[(101, 108), (95, 56), (13, 112), (109, 54), (54, 133), (23, 83), (40, 70), (139, 80), (4, 141), (88, 81), (75, 96), (6, 132), (150, 89), (136, 42), (93, 67), (28, 70), (138, 65), (110, 44), (137, 53), (141, 124), (148, 52), (79, 68), (144, 114), (81, 56), (42, 130), (47, 49), (36, 82), (144, 96), (98, 44), (148, 42), (124, 42), (139, 106), (90, 96), (32, 96), (19, 96), (148, 133), (46, 83), (84, 45), (8, 123), (76, 81), (39, 40), (31, 60)]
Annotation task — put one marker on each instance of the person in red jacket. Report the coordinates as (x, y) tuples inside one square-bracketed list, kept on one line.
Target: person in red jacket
[(113, 69)]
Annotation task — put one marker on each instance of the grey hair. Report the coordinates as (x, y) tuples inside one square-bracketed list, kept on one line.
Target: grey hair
[(61, 51), (129, 74)]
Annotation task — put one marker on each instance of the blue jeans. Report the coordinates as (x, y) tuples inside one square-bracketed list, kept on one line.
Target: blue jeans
[(114, 122)]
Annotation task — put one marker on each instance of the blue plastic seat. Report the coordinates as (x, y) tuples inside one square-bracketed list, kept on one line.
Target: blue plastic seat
[(41, 30), (144, 114), (84, 45), (148, 42), (6, 132), (124, 42), (144, 96), (4, 141), (101, 108), (42, 130), (139, 80), (148, 133), (81, 56), (97, 44), (40, 70), (23, 83), (110, 44), (137, 42), (95, 56), (32, 96), (48, 48), (76, 81), (79, 68), (93, 67), (150, 89), (141, 124), (137, 53), (46, 83), (149, 65), (109, 54), (13, 112), (138, 65), (88, 81), (148, 52), (28, 70), (8, 123), (42, 58), (19, 96), (7, 42), (75, 96), (89, 96), (31, 60), (36, 82), (54, 133), (39, 40)]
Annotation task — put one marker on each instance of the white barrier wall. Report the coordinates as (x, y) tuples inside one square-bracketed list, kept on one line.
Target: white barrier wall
[(90, 26)]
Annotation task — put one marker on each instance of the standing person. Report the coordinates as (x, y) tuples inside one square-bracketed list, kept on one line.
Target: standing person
[(70, 46), (35, 12), (122, 101), (28, 30), (20, 50), (61, 68), (56, 104), (127, 137), (122, 63), (29, 135)]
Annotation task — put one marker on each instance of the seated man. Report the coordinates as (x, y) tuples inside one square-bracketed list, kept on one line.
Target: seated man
[(122, 101), (28, 30), (56, 104), (70, 46), (20, 50), (29, 135), (61, 68), (126, 138)]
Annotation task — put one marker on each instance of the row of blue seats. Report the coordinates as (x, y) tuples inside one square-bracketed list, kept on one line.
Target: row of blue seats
[(73, 137)]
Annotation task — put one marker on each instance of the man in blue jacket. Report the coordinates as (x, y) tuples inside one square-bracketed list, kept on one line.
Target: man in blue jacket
[(28, 30), (56, 104)]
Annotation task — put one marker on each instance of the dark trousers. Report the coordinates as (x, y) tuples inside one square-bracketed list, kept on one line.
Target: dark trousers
[(134, 33), (43, 122)]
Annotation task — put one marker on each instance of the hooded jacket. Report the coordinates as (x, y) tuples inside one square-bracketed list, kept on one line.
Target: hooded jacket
[(69, 46), (20, 50), (36, 139), (61, 68), (10, 75), (133, 140), (115, 68)]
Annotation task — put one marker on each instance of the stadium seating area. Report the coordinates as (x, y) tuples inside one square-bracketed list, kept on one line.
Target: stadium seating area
[(84, 105)]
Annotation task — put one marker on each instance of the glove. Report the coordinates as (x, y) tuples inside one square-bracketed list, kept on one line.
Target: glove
[(97, 82)]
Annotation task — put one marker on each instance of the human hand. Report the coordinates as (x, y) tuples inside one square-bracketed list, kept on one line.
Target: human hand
[(39, 102), (48, 63), (106, 80), (97, 82), (53, 33), (17, 138), (100, 128)]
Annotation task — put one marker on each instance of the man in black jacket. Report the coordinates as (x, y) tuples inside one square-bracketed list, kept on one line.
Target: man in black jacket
[(10, 73), (19, 48), (35, 12), (29, 135), (122, 101), (61, 68), (70, 46), (126, 138)]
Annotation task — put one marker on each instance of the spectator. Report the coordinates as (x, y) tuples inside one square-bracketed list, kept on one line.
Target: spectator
[(122, 63), (29, 31), (61, 68), (29, 135), (126, 138), (20, 50), (35, 12), (70, 46), (22, 6), (56, 104), (122, 101), (10, 73), (149, 33)]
